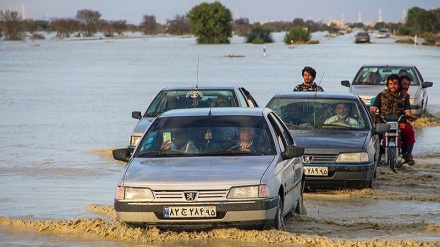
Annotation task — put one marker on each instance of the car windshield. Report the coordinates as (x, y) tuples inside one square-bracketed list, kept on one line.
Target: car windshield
[(194, 98), (376, 75), (320, 113), (206, 136)]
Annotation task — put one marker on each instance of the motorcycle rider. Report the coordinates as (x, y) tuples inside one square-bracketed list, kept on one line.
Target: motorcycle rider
[(392, 101)]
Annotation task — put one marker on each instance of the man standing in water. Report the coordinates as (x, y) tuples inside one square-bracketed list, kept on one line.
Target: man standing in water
[(309, 75)]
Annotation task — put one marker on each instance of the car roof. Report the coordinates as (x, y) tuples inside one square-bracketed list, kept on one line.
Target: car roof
[(387, 65), (217, 111), (201, 87), (320, 95)]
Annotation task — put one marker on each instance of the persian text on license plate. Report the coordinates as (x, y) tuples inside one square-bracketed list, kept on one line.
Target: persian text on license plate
[(316, 171), (189, 212)]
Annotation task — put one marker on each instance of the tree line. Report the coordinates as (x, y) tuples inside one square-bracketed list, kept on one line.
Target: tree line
[(209, 22)]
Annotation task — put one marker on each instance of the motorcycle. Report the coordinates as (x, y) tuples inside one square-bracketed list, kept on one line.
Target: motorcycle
[(392, 142)]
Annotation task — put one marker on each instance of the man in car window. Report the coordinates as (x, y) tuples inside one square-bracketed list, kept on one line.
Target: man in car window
[(291, 114), (180, 142), (309, 75), (341, 118), (222, 101)]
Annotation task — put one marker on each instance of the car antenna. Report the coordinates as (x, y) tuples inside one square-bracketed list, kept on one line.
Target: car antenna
[(319, 84), (197, 76)]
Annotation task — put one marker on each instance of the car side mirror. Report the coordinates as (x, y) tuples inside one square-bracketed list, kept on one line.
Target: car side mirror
[(427, 84), (381, 128), (136, 115), (293, 151), (345, 83), (122, 154)]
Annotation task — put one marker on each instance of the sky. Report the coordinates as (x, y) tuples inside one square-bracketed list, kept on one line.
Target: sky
[(255, 10)]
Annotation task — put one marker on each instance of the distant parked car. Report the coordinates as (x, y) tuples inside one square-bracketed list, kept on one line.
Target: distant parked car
[(189, 97), (371, 80), (383, 33), (362, 37), (339, 152), (205, 178)]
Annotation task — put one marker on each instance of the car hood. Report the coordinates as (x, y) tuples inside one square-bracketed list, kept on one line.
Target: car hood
[(142, 125), (331, 142), (237, 170)]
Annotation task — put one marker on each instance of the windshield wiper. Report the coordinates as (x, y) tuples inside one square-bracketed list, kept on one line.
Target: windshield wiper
[(157, 153), (337, 126)]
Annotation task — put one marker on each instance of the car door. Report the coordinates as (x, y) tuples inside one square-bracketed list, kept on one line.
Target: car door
[(248, 97), (290, 173)]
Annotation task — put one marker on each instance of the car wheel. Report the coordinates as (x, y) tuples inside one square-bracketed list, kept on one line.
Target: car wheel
[(278, 222), (371, 182), (300, 203)]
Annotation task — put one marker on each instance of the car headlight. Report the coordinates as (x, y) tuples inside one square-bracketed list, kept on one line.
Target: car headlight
[(134, 140), (360, 157), (248, 192), (134, 194)]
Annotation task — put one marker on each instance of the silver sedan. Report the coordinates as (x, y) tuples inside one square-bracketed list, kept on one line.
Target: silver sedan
[(233, 167)]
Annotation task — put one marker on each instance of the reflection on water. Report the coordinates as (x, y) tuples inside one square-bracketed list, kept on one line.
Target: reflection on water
[(65, 104)]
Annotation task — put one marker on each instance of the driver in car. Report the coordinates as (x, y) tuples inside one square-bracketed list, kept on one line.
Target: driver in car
[(341, 118)]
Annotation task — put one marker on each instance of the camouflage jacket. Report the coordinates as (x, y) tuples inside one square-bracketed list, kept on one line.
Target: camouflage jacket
[(312, 88), (389, 104)]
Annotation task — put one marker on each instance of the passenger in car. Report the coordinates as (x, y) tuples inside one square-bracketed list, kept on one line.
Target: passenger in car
[(171, 103), (291, 114), (372, 77), (222, 101), (180, 141), (342, 118)]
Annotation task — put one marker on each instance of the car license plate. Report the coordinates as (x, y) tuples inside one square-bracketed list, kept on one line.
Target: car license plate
[(189, 212), (316, 171)]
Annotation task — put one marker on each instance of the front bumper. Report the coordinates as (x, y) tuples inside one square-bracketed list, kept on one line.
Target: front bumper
[(241, 213), (342, 175)]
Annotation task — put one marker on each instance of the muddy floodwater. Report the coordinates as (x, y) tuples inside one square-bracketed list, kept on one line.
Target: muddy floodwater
[(65, 104)]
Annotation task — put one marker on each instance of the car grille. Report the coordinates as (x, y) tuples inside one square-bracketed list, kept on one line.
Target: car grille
[(210, 195), (307, 159)]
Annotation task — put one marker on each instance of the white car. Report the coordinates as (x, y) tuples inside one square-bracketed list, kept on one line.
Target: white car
[(210, 181), (371, 80), (383, 33), (189, 97)]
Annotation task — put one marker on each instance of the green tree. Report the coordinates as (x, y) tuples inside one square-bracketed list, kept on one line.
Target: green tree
[(211, 23), (259, 35), (297, 35)]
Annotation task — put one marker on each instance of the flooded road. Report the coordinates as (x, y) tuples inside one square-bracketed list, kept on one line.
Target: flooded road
[(66, 104)]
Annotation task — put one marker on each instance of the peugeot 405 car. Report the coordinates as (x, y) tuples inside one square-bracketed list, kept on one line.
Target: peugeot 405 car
[(189, 97), (212, 167), (371, 80), (340, 139)]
